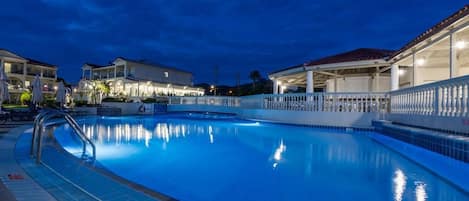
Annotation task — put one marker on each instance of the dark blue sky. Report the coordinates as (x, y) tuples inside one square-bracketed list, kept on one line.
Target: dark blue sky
[(238, 36)]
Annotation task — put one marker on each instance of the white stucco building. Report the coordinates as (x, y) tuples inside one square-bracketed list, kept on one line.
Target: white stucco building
[(132, 78), (22, 70), (439, 53)]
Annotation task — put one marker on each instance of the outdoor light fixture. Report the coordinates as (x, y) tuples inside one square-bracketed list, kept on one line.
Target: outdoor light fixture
[(55, 87), (420, 61), (460, 44), (284, 87), (401, 71), (169, 85)]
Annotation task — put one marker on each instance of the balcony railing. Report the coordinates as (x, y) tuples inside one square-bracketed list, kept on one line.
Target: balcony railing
[(449, 98)]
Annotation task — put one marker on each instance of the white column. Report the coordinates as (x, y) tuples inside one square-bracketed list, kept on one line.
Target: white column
[(309, 82), (115, 71), (452, 57), (414, 70), (24, 70), (1, 65), (335, 81), (82, 73), (281, 89), (377, 80), (394, 77), (275, 86), (125, 70)]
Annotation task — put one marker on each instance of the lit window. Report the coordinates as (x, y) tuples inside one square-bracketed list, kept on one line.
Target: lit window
[(166, 74)]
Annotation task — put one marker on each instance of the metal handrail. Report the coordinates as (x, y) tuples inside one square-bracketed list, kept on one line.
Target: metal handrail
[(39, 127)]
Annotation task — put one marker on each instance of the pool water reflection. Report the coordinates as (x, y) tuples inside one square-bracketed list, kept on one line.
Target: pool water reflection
[(229, 159)]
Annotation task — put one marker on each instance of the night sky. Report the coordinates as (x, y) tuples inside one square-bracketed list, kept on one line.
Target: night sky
[(238, 36)]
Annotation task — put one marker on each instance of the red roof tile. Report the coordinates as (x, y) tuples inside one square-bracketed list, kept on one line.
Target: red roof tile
[(354, 55)]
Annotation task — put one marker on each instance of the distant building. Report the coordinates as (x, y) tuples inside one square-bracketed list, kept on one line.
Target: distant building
[(439, 53), (22, 70), (132, 78)]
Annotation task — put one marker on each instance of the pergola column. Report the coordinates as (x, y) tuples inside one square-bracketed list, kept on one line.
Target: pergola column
[(309, 82), (452, 57), (394, 77), (275, 86), (414, 71), (282, 88)]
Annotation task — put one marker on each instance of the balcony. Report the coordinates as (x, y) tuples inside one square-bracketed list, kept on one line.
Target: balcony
[(20, 72)]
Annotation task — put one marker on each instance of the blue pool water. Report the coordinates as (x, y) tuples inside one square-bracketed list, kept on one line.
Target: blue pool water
[(210, 157)]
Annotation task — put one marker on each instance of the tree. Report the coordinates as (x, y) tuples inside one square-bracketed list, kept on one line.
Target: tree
[(25, 97), (255, 76), (98, 90)]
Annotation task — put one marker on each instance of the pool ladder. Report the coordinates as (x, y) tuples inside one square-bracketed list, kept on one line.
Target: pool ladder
[(38, 130)]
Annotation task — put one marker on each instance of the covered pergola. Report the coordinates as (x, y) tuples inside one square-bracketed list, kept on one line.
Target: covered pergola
[(360, 70), (441, 52)]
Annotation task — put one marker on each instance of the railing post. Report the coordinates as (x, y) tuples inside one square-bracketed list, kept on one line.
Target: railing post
[(436, 101)]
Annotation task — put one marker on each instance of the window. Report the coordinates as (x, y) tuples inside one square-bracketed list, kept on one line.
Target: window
[(166, 74)]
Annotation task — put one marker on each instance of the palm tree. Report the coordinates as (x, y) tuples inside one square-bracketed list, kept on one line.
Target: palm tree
[(255, 76), (98, 90)]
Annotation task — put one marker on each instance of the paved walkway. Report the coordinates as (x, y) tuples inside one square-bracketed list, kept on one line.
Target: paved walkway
[(22, 179), (15, 184)]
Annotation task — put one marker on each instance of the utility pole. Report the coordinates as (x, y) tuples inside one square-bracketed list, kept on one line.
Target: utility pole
[(238, 77)]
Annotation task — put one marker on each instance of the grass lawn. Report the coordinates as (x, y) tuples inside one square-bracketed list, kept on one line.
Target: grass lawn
[(14, 106)]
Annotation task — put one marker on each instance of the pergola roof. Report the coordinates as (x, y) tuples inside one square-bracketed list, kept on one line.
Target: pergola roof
[(360, 54), (354, 55), (463, 12)]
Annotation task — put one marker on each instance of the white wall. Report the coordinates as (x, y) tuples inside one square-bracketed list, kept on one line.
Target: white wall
[(457, 124), (359, 84), (130, 108), (340, 119)]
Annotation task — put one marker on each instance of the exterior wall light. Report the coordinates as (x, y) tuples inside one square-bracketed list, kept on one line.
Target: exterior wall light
[(460, 44), (401, 71), (420, 62)]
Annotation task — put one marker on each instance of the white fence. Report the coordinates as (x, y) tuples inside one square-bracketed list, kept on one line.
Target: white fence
[(228, 101), (314, 102), (320, 102), (447, 98)]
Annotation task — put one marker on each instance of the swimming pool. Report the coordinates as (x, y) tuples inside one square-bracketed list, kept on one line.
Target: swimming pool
[(214, 157)]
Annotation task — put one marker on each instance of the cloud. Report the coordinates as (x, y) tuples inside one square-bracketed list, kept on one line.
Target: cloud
[(197, 35)]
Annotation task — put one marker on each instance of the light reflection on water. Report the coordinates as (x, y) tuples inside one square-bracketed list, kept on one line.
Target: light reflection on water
[(264, 161), (400, 181)]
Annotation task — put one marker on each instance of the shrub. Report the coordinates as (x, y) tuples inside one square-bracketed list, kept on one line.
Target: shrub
[(113, 99), (25, 98)]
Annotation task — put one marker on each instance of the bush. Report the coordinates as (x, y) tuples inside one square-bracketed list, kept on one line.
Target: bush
[(25, 98), (149, 100), (113, 99), (80, 103)]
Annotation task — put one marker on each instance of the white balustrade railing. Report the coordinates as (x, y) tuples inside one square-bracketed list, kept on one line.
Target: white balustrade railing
[(314, 102), (443, 98), (319, 102), (205, 100)]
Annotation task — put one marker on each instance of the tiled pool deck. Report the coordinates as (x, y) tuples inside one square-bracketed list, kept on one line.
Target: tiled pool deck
[(60, 177)]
